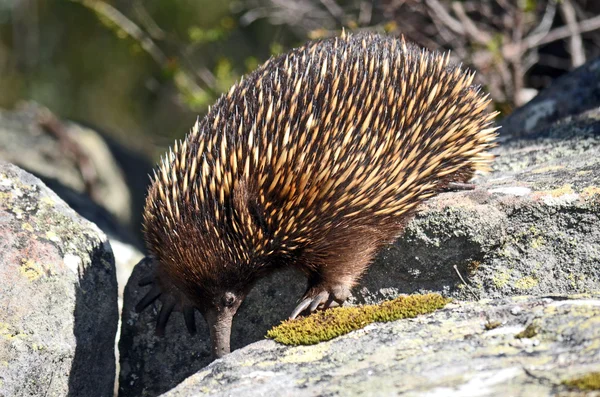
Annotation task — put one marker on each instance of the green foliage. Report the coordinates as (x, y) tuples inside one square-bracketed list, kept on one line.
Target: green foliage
[(529, 5), (589, 381), (200, 35), (328, 324)]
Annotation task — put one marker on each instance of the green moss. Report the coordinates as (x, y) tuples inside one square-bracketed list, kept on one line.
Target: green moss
[(529, 332), (328, 324), (589, 381)]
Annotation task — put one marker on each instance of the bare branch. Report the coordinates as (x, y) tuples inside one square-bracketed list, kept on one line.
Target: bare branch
[(575, 41), (445, 17), (182, 80), (476, 34), (335, 10), (366, 13), (546, 23), (560, 33)]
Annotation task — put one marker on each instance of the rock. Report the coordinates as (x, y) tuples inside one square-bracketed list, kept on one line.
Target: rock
[(449, 352), (26, 141), (530, 227), (571, 94), (58, 295), (110, 204)]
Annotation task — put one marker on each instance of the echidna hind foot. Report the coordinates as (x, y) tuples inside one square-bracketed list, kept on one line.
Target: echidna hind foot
[(171, 298)]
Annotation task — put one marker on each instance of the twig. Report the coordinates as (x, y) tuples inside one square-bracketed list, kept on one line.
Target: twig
[(445, 17), (87, 169), (476, 34), (366, 13), (560, 33), (469, 287), (546, 23), (149, 23), (575, 41), (182, 80), (335, 10)]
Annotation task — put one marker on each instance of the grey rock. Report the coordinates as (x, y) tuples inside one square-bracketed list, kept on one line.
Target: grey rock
[(58, 296), (571, 94), (530, 227), (446, 353)]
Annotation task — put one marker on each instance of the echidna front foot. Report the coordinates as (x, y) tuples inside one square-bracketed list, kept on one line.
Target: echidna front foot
[(321, 299), (172, 299)]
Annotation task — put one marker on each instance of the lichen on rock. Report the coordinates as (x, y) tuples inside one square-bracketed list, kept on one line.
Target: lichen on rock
[(58, 295)]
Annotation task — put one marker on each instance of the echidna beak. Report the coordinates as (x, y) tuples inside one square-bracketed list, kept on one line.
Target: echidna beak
[(219, 323)]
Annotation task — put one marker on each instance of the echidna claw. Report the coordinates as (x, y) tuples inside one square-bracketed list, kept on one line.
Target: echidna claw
[(172, 300), (163, 316), (318, 300), (300, 308), (148, 299), (190, 320), (323, 300)]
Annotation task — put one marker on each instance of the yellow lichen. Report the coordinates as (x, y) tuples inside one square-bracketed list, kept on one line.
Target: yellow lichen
[(529, 332), (490, 325), (590, 192), (548, 169), (27, 226), (501, 278), (31, 270), (537, 242), (561, 191), (303, 355), (526, 282), (50, 235), (328, 324), (589, 381)]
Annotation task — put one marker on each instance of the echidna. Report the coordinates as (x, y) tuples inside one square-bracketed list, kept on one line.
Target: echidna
[(315, 160)]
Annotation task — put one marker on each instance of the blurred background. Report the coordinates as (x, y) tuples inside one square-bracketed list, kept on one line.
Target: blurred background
[(138, 73)]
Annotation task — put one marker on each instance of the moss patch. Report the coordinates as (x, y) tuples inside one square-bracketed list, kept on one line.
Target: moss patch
[(589, 381), (328, 324)]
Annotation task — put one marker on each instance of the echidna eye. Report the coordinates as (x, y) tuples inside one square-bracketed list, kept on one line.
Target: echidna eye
[(228, 299)]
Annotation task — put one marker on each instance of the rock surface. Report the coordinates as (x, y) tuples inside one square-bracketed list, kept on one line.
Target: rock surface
[(58, 295), (531, 227), (446, 353)]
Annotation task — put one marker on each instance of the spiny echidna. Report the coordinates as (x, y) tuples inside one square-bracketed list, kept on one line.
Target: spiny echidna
[(314, 160)]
